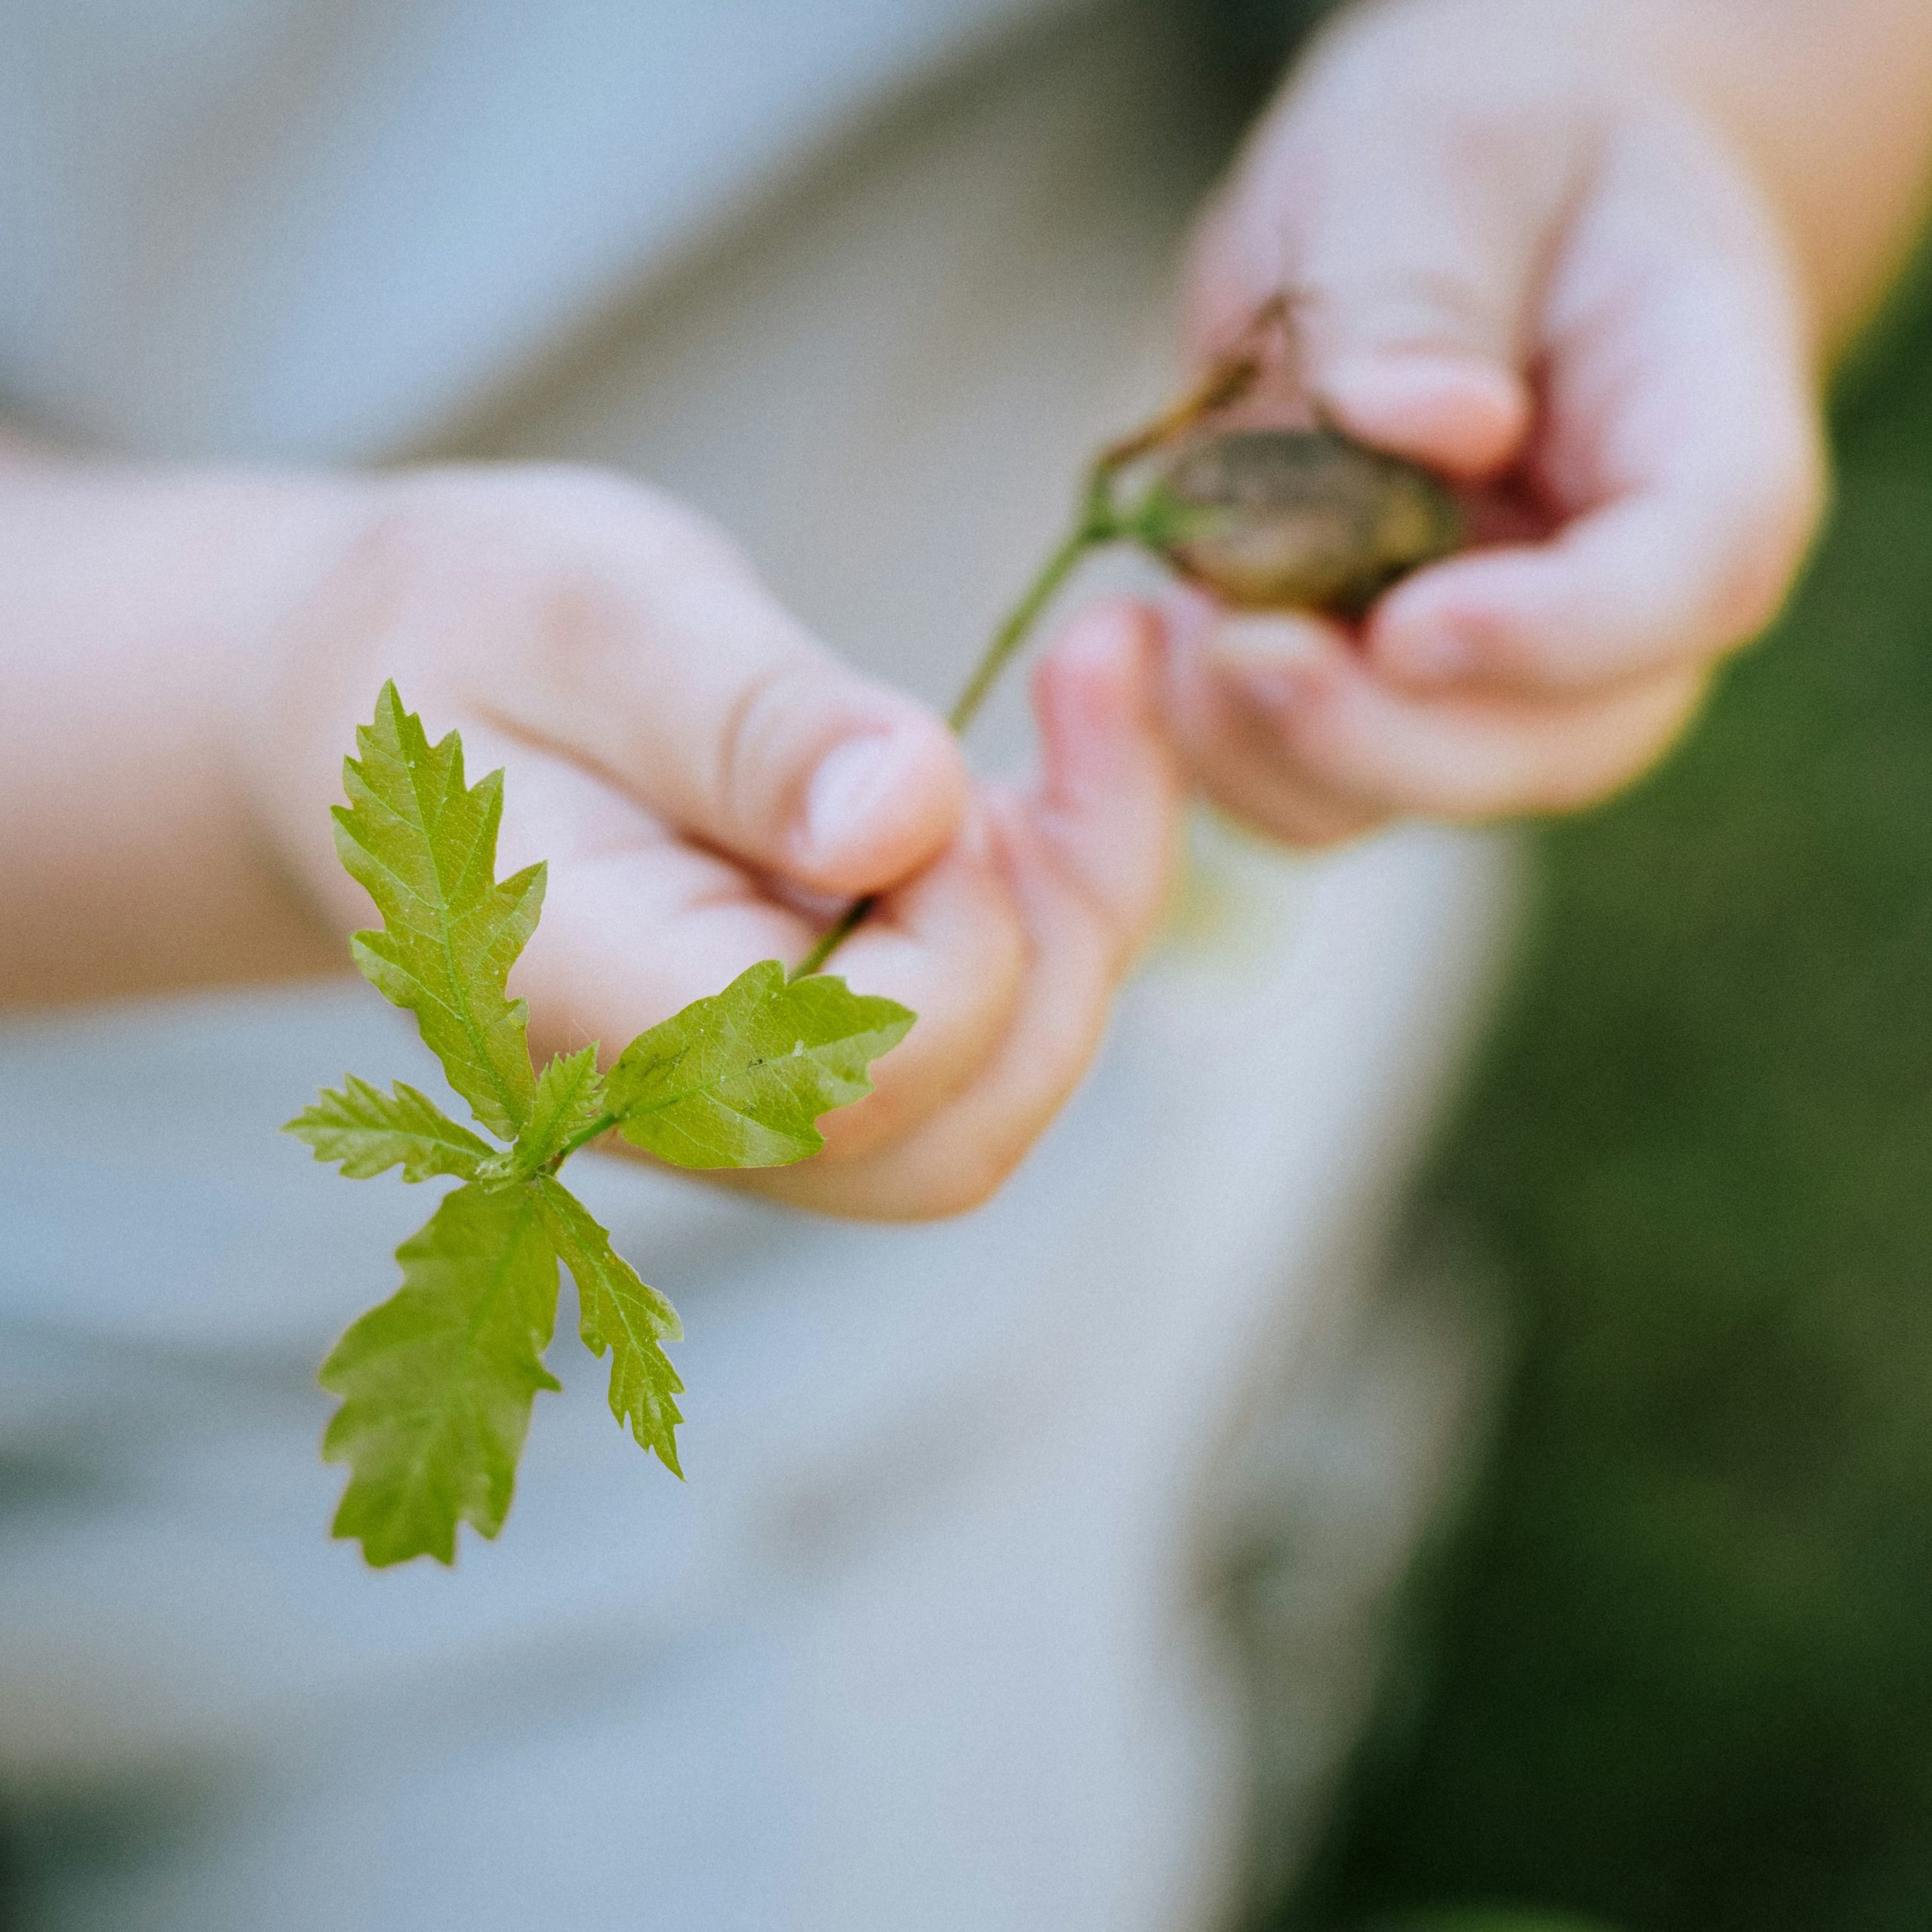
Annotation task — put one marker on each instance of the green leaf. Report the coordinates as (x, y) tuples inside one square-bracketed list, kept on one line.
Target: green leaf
[(369, 1131), (423, 845), (616, 1310), (737, 1080), (569, 1098), (437, 1383)]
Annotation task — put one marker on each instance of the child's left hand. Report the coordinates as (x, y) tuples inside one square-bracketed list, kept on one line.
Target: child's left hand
[(1519, 259)]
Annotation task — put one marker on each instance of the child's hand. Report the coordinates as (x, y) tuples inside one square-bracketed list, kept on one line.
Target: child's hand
[(1520, 258), (709, 787)]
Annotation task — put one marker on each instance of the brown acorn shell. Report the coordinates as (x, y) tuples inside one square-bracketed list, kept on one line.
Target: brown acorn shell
[(1299, 519)]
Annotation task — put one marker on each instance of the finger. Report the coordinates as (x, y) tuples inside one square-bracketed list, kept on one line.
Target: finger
[(1342, 728), (1104, 809), (1087, 855), (638, 923), (652, 652), (1680, 437), (1408, 238), (1231, 741), (950, 946)]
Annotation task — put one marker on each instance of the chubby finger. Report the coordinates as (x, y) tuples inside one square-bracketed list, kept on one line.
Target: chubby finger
[(650, 651), (1087, 853), (637, 922), (1103, 809), (1230, 739), (950, 946), (1409, 239), (1680, 446), (1337, 727)]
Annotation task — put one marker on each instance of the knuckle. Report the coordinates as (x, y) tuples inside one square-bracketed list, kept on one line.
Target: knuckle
[(546, 567), (420, 522), (473, 526)]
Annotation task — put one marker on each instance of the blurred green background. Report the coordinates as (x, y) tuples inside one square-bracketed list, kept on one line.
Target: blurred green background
[(1675, 1670)]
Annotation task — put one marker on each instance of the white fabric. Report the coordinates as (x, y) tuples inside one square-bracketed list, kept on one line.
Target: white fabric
[(919, 1643), (319, 227), (923, 1642)]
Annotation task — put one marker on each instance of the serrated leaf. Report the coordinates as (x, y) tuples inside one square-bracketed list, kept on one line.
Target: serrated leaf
[(617, 1311), (368, 1131), (738, 1080), (423, 845), (438, 1382), (569, 1098)]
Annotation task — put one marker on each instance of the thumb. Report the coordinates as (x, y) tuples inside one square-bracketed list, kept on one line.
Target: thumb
[(1405, 211), (686, 683)]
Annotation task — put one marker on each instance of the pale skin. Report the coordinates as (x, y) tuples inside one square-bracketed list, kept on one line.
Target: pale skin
[(1601, 250)]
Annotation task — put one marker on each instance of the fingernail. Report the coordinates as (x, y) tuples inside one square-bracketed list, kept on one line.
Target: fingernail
[(1256, 642), (847, 790)]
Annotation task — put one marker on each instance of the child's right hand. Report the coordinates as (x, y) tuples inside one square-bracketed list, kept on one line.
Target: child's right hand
[(698, 772)]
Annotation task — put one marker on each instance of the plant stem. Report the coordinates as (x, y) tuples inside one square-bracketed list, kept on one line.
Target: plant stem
[(1097, 525), (835, 935), (602, 1124), (1101, 520), (1021, 618)]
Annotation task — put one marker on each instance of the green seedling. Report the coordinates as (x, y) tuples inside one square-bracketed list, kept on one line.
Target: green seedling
[(437, 1383)]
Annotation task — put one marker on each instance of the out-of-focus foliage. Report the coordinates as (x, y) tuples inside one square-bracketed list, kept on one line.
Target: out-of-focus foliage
[(1249, 42), (1260, 31), (1680, 1670), (1486, 1921)]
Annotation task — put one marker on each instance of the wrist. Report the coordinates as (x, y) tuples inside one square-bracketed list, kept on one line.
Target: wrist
[(280, 549), (1824, 112), (133, 607)]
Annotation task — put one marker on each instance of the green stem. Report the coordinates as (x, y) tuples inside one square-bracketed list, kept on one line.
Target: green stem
[(834, 936), (1021, 618), (602, 1124), (1098, 525)]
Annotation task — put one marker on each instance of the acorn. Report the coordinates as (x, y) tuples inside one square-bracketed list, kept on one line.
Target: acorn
[(1295, 519)]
